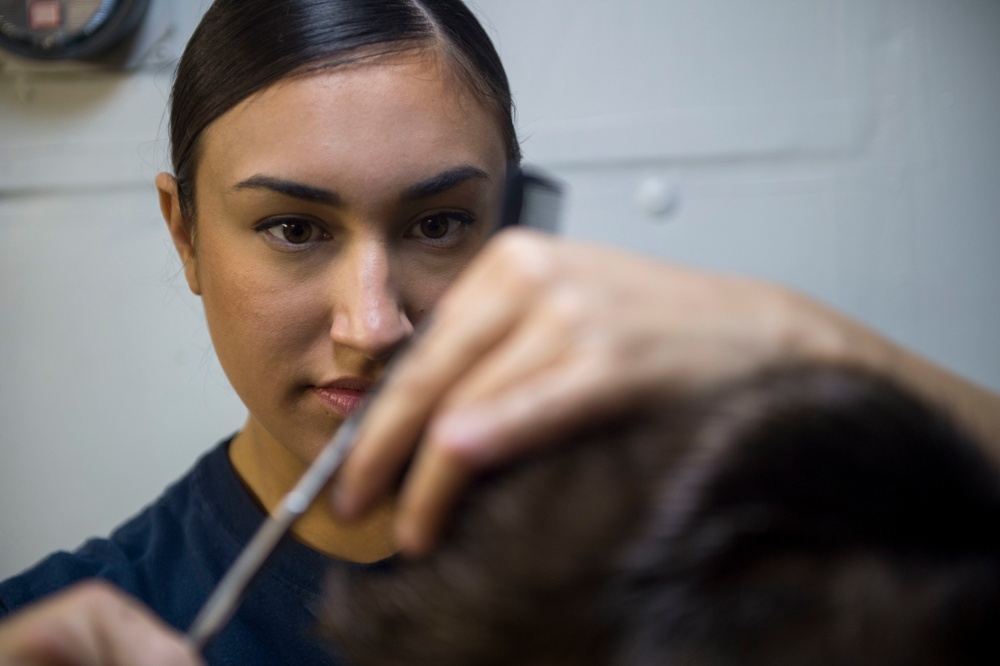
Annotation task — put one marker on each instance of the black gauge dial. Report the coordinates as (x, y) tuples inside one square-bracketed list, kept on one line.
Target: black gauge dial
[(66, 29)]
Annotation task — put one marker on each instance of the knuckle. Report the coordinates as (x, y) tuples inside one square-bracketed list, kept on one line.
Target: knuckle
[(567, 309), (441, 446), (525, 259)]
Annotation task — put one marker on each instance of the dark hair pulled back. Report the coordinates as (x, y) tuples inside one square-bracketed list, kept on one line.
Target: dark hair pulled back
[(242, 46)]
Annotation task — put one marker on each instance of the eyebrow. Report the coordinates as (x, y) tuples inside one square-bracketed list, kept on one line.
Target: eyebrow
[(437, 184), (289, 188), (442, 182)]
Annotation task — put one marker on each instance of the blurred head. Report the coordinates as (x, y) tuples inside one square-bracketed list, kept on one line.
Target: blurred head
[(336, 164), (811, 515), (517, 579), (824, 517)]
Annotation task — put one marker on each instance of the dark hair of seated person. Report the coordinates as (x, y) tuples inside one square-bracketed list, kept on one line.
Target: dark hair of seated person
[(809, 515)]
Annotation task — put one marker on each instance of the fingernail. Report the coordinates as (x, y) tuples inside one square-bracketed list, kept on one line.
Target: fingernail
[(409, 540), (463, 430), (468, 432)]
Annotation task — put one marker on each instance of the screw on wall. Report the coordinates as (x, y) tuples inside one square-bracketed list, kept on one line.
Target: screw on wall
[(658, 197)]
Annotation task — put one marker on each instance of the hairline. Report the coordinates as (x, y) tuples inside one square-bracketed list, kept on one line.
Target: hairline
[(453, 61)]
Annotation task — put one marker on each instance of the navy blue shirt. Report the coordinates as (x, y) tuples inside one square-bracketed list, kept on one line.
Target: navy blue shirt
[(171, 555)]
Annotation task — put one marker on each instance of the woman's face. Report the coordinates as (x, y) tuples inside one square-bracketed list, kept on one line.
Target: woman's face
[(333, 210)]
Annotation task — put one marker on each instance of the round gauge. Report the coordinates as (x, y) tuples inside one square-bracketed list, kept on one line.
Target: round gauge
[(66, 29)]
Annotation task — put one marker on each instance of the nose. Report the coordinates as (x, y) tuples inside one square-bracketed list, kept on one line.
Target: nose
[(368, 315)]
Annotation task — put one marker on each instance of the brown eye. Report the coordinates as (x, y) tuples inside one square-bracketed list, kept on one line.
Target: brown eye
[(444, 229), (295, 231), (287, 233), (436, 226)]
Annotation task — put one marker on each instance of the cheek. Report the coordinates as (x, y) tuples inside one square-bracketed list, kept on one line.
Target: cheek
[(261, 318), (256, 319)]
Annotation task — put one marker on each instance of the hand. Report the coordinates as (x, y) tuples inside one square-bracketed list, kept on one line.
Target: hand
[(89, 624), (542, 335)]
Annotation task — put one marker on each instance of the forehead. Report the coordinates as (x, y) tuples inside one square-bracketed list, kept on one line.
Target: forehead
[(362, 124)]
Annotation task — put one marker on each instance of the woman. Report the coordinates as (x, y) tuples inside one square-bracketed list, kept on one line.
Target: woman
[(337, 168)]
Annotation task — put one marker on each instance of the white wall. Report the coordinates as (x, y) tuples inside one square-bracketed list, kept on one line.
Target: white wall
[(848, 147), (108, 385), (845, 147)]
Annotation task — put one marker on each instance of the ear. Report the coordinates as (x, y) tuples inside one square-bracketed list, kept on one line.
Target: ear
[(181, 232)]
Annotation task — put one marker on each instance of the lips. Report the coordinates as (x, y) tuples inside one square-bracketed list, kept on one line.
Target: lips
[(343, 396)]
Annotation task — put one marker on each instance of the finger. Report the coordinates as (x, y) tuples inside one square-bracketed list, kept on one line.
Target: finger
[(131, 634), (534, 413), (403, 405), (545, 411), (481, 312), (428, 497), (57, 630), (554, 331), (93, 623), (437, 477)]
